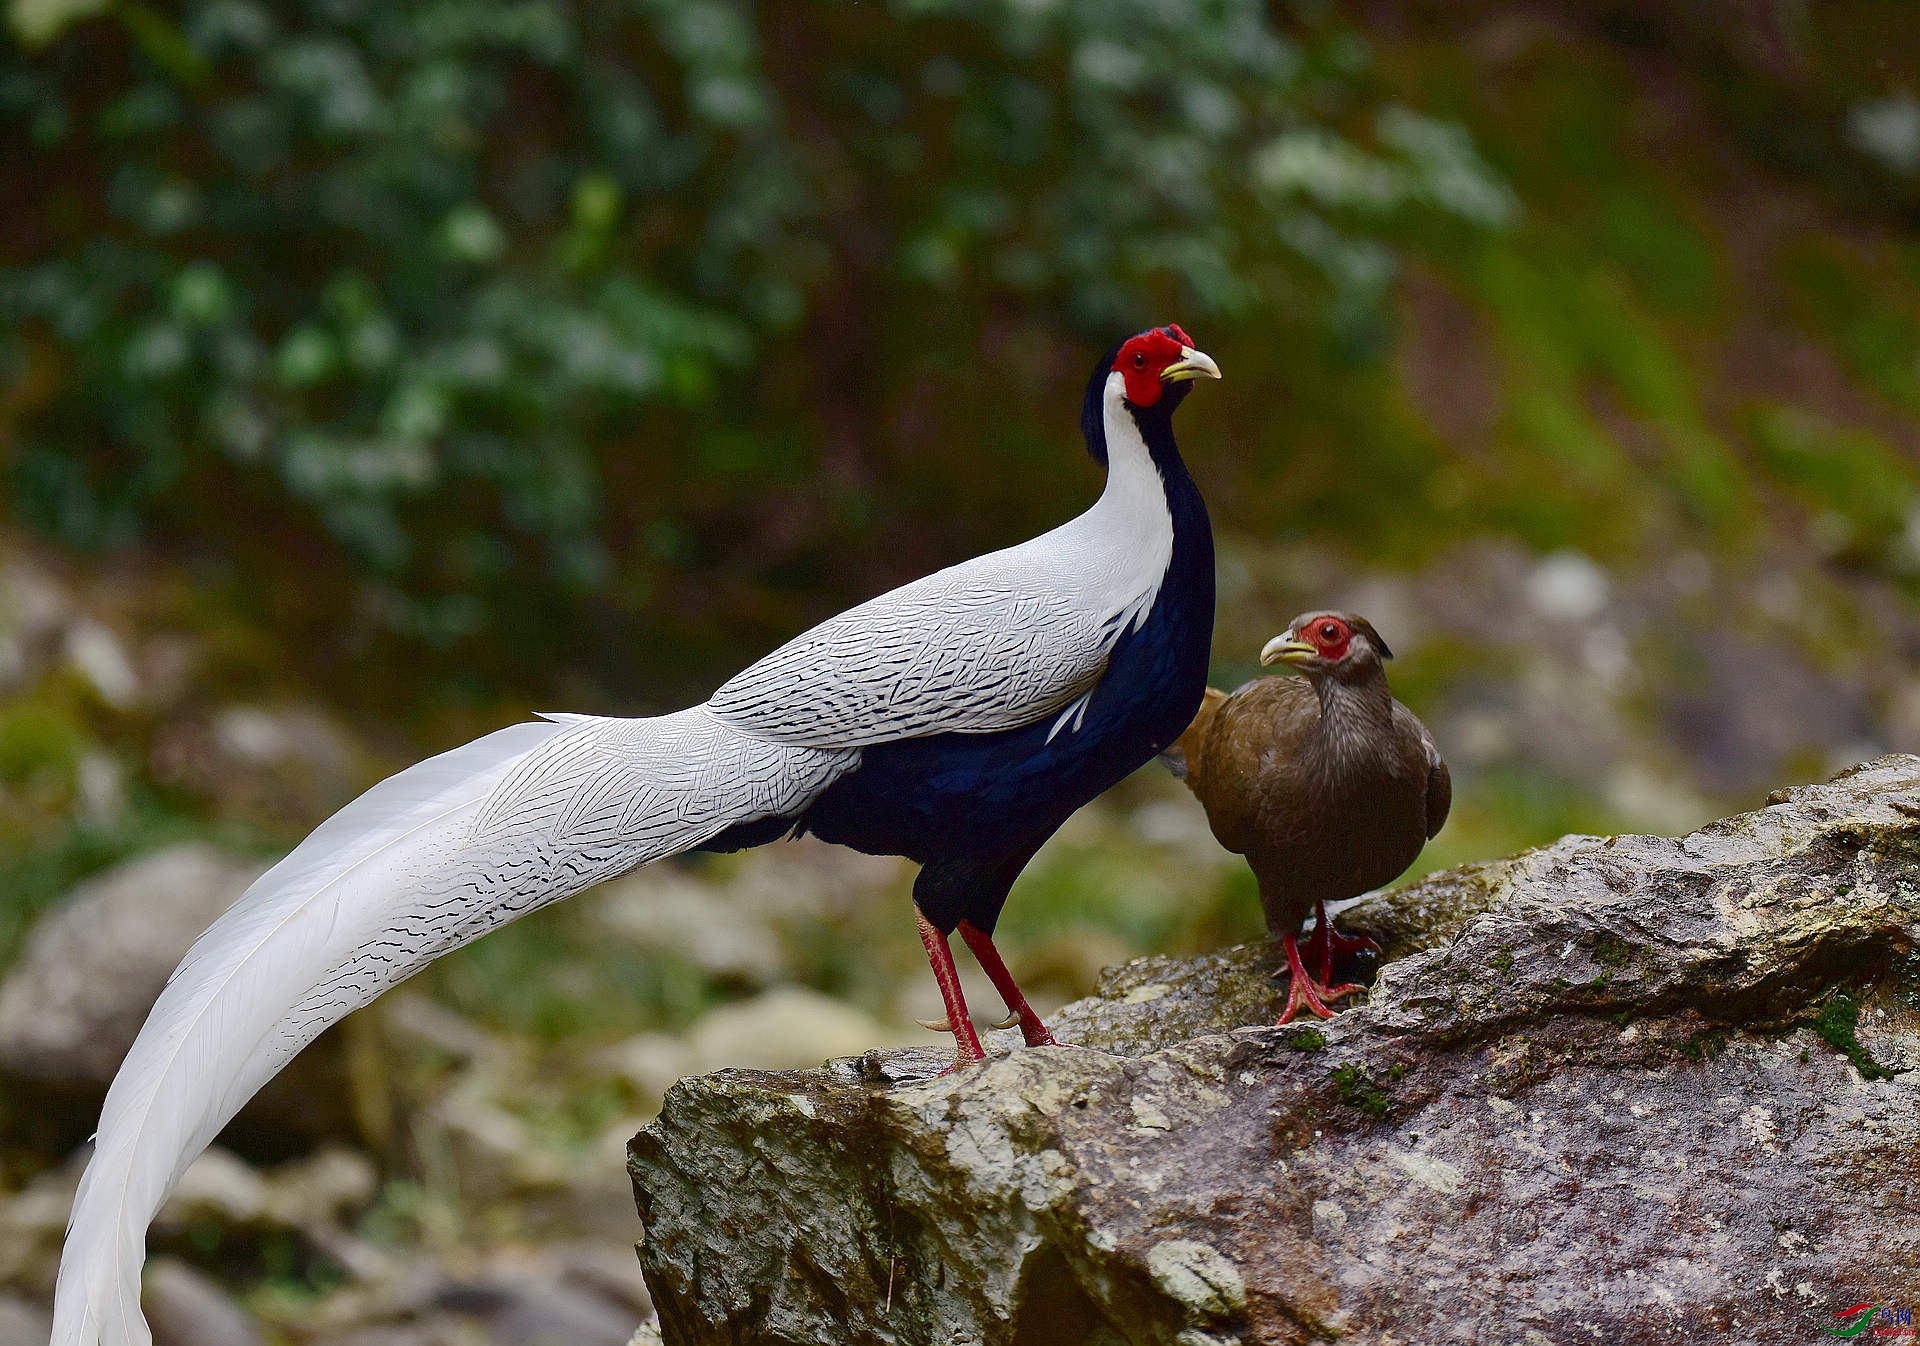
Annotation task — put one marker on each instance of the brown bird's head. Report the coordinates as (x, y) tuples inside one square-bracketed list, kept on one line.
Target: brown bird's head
[(1329, 644)]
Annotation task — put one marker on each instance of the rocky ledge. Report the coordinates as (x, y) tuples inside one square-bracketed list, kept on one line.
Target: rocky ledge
[(1616, 1090)]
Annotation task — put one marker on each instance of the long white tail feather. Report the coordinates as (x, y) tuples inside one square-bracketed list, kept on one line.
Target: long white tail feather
[(424, 862)]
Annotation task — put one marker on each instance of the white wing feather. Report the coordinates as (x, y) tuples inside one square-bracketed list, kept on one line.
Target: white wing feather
[(993, 643), (939, 656)]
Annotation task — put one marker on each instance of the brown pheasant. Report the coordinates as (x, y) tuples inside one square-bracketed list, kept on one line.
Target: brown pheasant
[(1326, 784)]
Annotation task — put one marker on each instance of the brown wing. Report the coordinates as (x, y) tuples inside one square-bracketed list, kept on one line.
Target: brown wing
[(1251, 761), (1439, 792), (1408, 730)]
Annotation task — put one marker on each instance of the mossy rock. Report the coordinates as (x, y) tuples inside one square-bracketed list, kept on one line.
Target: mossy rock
[(1621, 1074)]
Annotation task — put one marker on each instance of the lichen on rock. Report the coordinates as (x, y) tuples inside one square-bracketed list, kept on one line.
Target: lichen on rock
[(1600, 1090)]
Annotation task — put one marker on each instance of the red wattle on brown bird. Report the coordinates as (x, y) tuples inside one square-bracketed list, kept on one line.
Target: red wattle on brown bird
[(1325, 783)]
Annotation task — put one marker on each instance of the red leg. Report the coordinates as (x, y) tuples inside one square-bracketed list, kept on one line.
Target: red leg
[(1303, 992), (1325, 942), (966, 1042), (995, 966)]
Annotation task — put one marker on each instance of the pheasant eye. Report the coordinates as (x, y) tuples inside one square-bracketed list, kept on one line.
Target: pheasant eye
[(1329, 632), (1139, 360)]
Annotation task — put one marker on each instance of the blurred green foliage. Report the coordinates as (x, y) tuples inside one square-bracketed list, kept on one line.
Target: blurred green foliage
[(455, 302), (554, 980)]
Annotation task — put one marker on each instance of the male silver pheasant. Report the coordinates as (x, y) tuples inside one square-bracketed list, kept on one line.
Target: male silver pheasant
[(957, 721)]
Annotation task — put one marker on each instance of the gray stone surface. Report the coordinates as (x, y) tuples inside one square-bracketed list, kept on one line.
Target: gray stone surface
[(1432, 911), (1607, 1093)]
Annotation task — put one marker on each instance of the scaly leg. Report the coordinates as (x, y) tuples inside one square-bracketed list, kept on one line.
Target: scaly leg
[(1303, 992), (966, 1042), (1326, 941), (1018, 1010)]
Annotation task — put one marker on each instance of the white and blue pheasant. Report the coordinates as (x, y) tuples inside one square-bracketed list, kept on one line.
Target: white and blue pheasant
[(958, 721)]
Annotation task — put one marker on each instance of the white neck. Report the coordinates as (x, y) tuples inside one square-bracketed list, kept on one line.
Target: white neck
[(1135, 500), (1127, 536)]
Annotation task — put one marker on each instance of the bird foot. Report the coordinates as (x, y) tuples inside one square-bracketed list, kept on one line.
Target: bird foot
[(1305, 992), (966, 1042), (1327, 943), (1308, 994), (1032, 1028), (962, 1058), (1035, 1032)]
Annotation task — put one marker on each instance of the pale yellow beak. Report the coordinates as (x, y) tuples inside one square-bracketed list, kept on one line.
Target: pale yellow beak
[(1287, 650), (1192, 364)]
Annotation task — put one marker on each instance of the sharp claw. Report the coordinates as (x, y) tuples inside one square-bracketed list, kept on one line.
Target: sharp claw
[(1009, 1021), (936, 1025)]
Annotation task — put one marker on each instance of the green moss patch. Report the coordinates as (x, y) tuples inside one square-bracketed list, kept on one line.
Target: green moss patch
[(1839, 1023), (1610, 951), (1358, 1090), (1704, 1045)]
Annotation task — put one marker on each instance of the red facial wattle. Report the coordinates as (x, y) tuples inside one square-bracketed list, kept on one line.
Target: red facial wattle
[(1329, 637), (1142, 360)]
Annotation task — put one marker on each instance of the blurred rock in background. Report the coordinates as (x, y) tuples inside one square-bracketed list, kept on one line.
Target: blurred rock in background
[(22, 1323), (82, 984)]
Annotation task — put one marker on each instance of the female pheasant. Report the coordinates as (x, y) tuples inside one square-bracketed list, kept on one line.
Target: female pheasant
[(1327, 785)]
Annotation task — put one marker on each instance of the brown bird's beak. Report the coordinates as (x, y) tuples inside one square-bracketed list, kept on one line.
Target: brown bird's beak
[(1192, 364), (1287, 650)]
